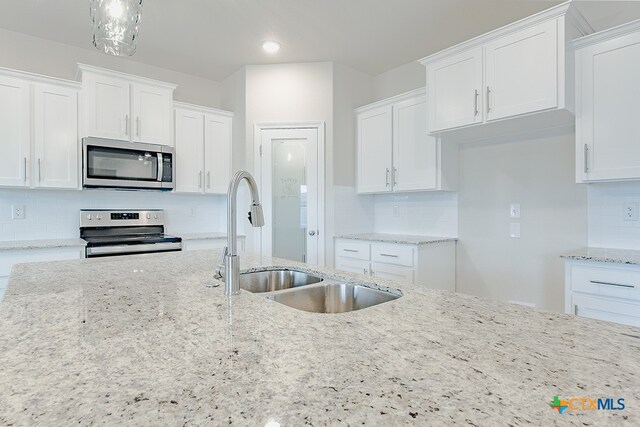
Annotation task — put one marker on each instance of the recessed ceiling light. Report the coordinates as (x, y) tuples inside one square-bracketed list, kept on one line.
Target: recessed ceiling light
[(271, 46)]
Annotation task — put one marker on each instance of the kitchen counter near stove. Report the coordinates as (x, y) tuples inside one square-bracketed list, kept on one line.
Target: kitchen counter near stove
[(141, 340), (9, 245)]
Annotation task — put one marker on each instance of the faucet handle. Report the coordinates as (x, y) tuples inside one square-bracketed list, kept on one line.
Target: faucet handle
[(220, 268)]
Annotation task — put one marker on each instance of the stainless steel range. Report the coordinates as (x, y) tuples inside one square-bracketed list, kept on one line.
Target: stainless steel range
[(125, 232)]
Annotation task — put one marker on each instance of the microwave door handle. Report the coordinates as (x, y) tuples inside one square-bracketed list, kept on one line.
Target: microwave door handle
[(160, 167)]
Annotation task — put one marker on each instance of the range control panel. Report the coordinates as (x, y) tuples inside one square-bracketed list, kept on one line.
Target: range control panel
[(120, 218)]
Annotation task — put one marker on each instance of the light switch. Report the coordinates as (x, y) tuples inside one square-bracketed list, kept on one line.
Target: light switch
[(514, 210), (514, 230)]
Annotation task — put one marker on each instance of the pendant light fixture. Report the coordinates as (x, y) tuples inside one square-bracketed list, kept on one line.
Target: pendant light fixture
[(115, 25)]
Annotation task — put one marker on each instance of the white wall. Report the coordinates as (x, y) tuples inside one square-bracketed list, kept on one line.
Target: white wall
[(27, 53), (538, 173), (399, 80), (54, 214), (607, 229)]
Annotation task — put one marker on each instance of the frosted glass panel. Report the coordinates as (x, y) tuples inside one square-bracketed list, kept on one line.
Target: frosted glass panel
[(289, 162)]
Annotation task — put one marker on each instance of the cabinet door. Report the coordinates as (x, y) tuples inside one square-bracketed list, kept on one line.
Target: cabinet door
[(608, 129), (14, 132), (217, 153), (352, 265), (189, 151), (454, 91), (414, 151), (374, 150), (56, 136), (609, 309), (151, 114), (106, 107), (392, 272), (522, 72)]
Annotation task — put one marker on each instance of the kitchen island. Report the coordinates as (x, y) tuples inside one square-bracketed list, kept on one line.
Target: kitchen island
[(142, 340)]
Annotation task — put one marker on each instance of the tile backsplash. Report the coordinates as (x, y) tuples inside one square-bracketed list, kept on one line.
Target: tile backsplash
[(54, 214), (606, 205)]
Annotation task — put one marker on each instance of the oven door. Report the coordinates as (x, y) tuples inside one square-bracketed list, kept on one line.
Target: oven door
[(121, 164)]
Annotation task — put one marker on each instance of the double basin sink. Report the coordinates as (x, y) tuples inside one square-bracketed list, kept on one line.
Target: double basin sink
[(308, 292)]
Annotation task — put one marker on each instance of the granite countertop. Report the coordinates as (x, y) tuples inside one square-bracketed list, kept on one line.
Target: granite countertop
[(204, 235), (7, 245), (397, 238), (618, 256), (141, 340)]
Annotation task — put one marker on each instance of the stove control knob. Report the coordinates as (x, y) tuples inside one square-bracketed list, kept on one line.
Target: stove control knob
[(98, 217), (148, 216), (89, 217), (155, 216)]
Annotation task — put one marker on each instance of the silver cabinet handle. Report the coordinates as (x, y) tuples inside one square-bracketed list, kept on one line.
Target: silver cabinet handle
[(586, 158), (138, 126), (619, 285), (575, 309), (39, 171), (126, 124), (389, 255), (488, 95), (395, 177), (312, 233), (200, 179), (364, 270), (475, 97), (209, 179), (350, 250), (387, 179), (25, 170)]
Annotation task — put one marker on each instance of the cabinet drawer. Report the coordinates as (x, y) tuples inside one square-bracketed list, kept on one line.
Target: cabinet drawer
[(611, 310), (353, 249), (352, 265), (392, 254), (392, 272), (606, 281)]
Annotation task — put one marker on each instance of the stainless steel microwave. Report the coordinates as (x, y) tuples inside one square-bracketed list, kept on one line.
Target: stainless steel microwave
[(117, 164)]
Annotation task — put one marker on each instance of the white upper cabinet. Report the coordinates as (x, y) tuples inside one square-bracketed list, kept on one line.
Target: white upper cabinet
[(514, 71), (15, 132), (607, 94), (55, 115), (203, 149), (456, 82), (374, 149), (394, 151), (126, 107)]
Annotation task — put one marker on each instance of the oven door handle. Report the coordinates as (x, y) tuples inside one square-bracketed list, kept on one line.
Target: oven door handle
[(123, 249), (160, 167)]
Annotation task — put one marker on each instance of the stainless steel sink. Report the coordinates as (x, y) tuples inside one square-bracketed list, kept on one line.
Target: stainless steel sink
[(275, 280), (333, 298)]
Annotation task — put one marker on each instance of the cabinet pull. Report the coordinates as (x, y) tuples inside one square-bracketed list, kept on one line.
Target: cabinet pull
[(586, 158), (575, 309), (395, 177), (620, 285), (25, 170), (209, 179), (475, 98), (364, 270), (138, 126), (387, 180), (200, 179), (488, 103), (39, 171), (389, 255), (126, 124), (350, 250)]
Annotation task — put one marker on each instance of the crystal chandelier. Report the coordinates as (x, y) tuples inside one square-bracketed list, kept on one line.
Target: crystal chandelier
[(115, 25)]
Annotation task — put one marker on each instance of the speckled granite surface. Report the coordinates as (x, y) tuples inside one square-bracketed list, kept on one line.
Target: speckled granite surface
[(7, 245), (141, 340), (618, 256), (203, 236), (397, 238)]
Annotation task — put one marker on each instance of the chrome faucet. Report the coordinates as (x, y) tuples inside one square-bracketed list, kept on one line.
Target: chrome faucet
[(230, 269)]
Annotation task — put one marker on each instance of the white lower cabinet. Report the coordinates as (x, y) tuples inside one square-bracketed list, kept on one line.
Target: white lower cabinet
[(8, 258), (603, 291), (431, 265)]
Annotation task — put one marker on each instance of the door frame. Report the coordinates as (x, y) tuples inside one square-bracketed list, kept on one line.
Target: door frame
[(319, 126)]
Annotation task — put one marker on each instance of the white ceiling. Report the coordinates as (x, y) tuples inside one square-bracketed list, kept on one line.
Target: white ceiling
[(213, 38)]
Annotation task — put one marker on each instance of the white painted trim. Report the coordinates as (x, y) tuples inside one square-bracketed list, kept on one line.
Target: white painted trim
[(320, 127), (611, 33), (117, 74), (202, 109), (38, 78), (403, 96), (565, 9)]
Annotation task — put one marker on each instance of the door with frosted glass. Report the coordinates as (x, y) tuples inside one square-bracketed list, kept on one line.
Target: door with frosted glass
[(289, 184)]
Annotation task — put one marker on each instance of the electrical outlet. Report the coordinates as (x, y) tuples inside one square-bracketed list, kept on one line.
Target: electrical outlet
[(514, 210), (630, 212), (396, 211), (17, 212), (514, 230)]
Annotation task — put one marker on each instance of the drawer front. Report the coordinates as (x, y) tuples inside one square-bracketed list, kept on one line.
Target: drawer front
[(393, 254), (606, 281), (611, 310), (352, 265), (393, 272), (353, 249)]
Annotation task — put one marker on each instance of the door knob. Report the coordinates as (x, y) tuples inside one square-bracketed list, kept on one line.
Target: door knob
[(312, 233)]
